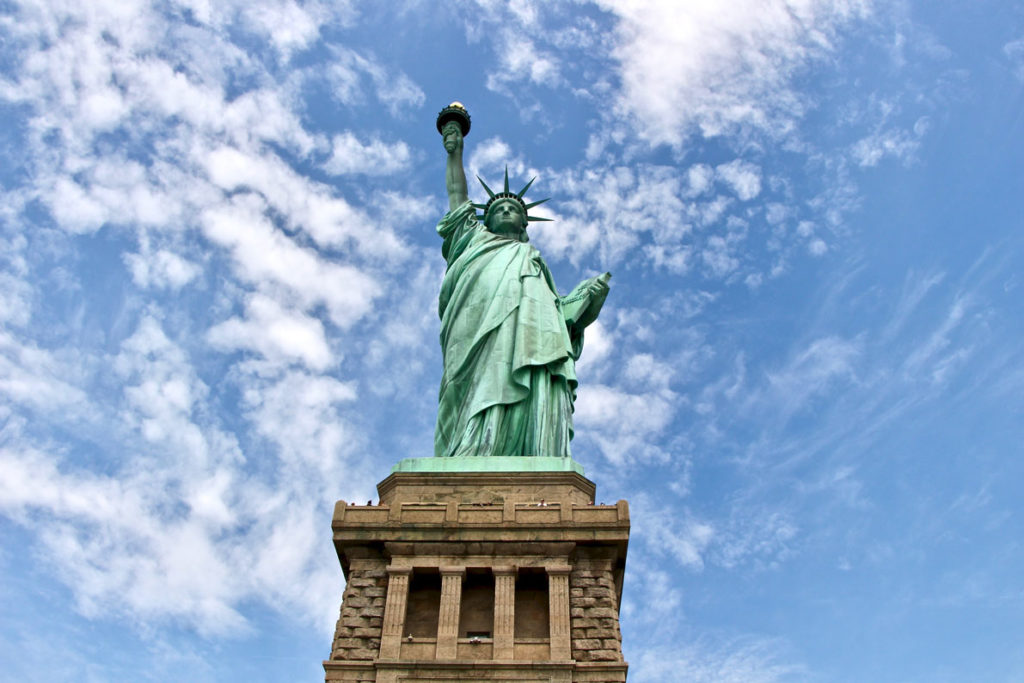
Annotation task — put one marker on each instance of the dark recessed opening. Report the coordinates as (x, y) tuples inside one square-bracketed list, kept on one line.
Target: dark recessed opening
[(424, 604), (532, 603), (477, 611)]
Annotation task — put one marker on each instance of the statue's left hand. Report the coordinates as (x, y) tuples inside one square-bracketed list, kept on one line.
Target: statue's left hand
[(597, 292)]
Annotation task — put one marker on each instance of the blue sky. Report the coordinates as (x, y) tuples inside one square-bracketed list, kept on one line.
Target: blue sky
[(218, 279)]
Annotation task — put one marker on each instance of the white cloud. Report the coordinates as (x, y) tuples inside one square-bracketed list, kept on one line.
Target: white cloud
[(915, 288), (301, 413), (305, 204), (76, 210), (162, 268), (14, 300), (599, 342), (625, 425), (510, 30), (683, 538), (166, 132), (718, 257), (519, 58), (674, 260), (716, 69), (406, 325), (350, 155), (700, 177), (394, 89), (690, 304), (161, 391), (276, 333), (657, 591), (1014, 51), (705, 660), (264, 256), (611, 208), (817, 246), (644, 370), (929, 355), (489, 154), (762, 537), (15, 290), (870, 150), (33, 376), (776, 213), (600, 404), (176, 527), (105, 536), (289, 26), (813, 370), (743, 177)]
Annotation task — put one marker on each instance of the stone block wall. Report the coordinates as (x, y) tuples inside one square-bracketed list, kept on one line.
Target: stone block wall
[(594, 613), (357, 635)]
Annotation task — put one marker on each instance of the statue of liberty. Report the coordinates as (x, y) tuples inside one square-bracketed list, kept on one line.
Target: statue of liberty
[(510, 342)]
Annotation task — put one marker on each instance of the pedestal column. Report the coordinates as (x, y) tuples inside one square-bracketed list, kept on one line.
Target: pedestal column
[(504, 612), (394, 612), (448, 619), (558, 615)]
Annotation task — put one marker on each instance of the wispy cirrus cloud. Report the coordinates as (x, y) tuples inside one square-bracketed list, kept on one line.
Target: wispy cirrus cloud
[(350, 155), (1014, 52), (349, 71), (706, 659), (702, 69), (170, 148), (275, 333)]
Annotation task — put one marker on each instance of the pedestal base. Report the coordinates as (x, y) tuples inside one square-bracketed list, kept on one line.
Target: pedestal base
[(489, 574)]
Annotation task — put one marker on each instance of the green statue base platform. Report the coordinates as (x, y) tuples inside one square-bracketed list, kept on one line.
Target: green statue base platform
[(489, 464)]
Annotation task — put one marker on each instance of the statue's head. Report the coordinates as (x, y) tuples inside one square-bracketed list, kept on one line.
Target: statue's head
[(506, 213), (506, 217)]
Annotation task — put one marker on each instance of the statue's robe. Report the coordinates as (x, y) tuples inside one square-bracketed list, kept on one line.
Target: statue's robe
[(509, 377)]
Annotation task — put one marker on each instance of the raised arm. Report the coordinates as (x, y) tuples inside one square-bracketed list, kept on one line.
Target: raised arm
[(455, 175)]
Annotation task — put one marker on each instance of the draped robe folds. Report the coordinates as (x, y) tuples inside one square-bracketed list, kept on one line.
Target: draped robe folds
[(509, 377)]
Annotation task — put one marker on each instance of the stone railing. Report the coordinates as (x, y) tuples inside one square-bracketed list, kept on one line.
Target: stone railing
[(471, 514)]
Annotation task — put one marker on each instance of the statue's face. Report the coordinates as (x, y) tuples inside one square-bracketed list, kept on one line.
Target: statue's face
[(506, 217)]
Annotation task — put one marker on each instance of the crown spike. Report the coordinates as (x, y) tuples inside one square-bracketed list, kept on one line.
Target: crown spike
[(489, 191), (522, 192), (506, 178), (533, 204), (538, 218)]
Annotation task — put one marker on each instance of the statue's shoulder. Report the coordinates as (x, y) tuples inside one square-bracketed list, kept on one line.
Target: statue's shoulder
[(461, 217)]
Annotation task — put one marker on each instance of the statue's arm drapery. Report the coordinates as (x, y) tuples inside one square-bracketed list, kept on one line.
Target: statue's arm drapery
[(457, 228)]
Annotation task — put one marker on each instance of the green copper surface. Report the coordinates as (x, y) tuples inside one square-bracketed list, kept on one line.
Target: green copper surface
[(510, 341), (493, 464)]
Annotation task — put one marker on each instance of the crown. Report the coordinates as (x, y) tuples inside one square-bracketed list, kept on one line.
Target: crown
[(455, 111), (506, 194)]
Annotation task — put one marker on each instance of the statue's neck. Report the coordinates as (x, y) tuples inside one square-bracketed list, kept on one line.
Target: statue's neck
[(518, 235)]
